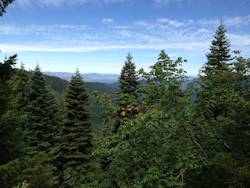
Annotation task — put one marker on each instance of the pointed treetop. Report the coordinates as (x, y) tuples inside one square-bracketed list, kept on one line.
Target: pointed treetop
[(222, 21), (129, 58), (163, 55), (128, 78), (37, 68), (77, 75), (77, 71), (219, 55), (22, 67)]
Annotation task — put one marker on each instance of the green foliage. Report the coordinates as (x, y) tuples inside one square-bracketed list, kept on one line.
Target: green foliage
[(38, 172), (151, 150), (102, 112), (72, 178), (33, 171), (163, 88), (19, 84), (128, 83), (108, 114), (148, 152), (128, 94), (219, 55), (222, 171), (154, 134), (77, 136), (6, 71), (12, 136), (10, 173), (10, 130), (56, 83), (43, 115), (222, 120)]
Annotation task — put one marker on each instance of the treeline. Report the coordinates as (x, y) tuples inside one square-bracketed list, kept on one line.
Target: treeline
[(156, 133)]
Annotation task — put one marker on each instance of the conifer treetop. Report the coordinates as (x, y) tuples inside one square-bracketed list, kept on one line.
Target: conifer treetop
[(219, 55)]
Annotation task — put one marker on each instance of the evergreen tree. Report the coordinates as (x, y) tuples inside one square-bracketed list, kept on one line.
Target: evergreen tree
[(220, 107), (128, 83), (127, 97), (17, 104), (19, 84), (43, 115), (151, 149), (77, 144), (6, 71), (8, 122), (216, 77), (219, 55), (10, 136), (215, 89), (241, 70)]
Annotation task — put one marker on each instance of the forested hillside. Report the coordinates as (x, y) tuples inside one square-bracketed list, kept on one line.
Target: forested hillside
[(154, 133)]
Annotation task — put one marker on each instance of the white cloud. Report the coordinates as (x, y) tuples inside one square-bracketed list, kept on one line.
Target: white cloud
[(160, 33), (166, 1), (108, 20), (37, 48), (59, 3), (228, 21), (161, 23), (39, 29), (240, 40), (170, 22)]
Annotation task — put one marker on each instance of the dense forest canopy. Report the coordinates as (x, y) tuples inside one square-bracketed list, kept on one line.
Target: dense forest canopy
[(152, 132)]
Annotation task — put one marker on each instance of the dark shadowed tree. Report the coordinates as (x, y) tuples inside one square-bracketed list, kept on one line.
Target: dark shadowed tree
[(19, 84), (221, 114), (43, 115), (77, 136)]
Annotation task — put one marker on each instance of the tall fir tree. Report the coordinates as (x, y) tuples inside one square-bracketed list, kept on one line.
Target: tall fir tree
[(219, 110), (17, 106), (6, 72), (219, 55), (43, 115), (77, 136), (128, 83), (128, 95), (216, 75), (19, 84), (8, 124)]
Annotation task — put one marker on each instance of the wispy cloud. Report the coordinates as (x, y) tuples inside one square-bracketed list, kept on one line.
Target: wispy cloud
[(41, 48), (167, 1), (59, 3), (228, 21), (108, 20), (160, 23), (145, 34)]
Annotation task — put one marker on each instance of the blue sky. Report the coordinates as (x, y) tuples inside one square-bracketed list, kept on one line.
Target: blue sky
[(96, 35)]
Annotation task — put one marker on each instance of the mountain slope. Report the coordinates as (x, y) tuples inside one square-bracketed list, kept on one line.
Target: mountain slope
[(60, 85), (88, 77)]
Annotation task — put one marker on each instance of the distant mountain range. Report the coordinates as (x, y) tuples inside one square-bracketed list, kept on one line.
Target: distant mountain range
[(88, 77)]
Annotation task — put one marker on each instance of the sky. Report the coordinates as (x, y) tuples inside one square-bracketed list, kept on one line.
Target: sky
[(96, 35)]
